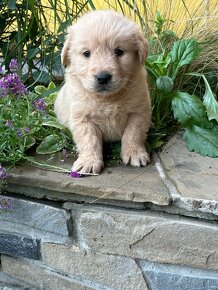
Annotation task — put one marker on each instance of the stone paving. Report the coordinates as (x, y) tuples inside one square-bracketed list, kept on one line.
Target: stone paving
[(175, 177), (122, 183), (193, 178)]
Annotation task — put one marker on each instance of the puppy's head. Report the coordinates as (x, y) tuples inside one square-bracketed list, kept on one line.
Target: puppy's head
[(104, 50)]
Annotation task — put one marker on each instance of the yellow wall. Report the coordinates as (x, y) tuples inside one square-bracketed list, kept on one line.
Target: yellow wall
[(202, 13), (185, 14)]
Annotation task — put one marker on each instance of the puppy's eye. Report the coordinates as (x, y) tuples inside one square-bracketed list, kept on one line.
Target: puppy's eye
[(87, 53), (119, 51)]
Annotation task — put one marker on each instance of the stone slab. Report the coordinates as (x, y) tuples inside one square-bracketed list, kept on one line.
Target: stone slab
[(112, 271), (19, 245), (9, 283), (119, 182), (40, 277), (171, 277), (35, 234), (37, 215), (151, 236), (195, 176)]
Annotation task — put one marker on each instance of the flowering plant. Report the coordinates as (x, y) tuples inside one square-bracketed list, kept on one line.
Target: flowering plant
[(27, 118), (3, 176)]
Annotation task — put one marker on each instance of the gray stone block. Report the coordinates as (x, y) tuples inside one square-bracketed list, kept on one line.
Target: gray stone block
[(36, 234), (19, 245), (169, 277), (40, 277), (151, 236), (112, 271), (10, 283), (38, 216)]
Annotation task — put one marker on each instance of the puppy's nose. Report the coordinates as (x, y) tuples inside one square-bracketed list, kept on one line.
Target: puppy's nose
[(103, 78)]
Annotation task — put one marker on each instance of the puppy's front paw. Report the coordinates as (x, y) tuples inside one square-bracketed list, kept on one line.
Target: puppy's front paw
[(88, 165), (135, 156)]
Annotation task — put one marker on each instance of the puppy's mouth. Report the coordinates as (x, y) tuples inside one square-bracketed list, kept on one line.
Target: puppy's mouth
[(104, 88), (104, 83)]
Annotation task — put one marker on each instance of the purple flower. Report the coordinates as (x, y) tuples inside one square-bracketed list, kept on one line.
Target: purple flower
[(9, 124), (26, 130), (75, 174), (13, 65), (12, 84), (3, 172), (39, 104), (6, 203)]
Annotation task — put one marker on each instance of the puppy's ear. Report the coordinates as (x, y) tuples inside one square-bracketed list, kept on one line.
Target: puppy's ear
[(142, 46), (64, 53)]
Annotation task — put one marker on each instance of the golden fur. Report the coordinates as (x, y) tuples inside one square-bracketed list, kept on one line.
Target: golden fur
[(96, 112)]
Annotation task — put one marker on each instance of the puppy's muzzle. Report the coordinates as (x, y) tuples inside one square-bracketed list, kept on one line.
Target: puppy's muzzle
[(103, 78)]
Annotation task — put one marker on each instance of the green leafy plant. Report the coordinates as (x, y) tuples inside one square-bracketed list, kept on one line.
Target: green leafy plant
[(169, 71), (33, 32)]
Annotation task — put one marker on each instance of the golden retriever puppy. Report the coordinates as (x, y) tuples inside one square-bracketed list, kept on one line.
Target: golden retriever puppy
[(105, 96)]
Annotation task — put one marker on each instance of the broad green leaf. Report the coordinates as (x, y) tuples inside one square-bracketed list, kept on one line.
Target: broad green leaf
[(202, 141), (30, 141), (50, 118), (50, 93), (54, 124), (41, 77), (51, 86), (40, 89), (158, 65), (189, 109), (164, 84), (210, 102), (152, 58), (50, 144), (182, 53)]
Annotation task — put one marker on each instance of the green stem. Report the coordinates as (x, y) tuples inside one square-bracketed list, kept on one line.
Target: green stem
[(44, 165)]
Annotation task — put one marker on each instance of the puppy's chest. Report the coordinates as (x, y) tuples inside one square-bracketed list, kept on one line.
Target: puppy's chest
[(111, 120)]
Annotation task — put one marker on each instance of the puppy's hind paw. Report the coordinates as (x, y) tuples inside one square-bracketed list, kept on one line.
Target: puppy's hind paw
[(90, 165)]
